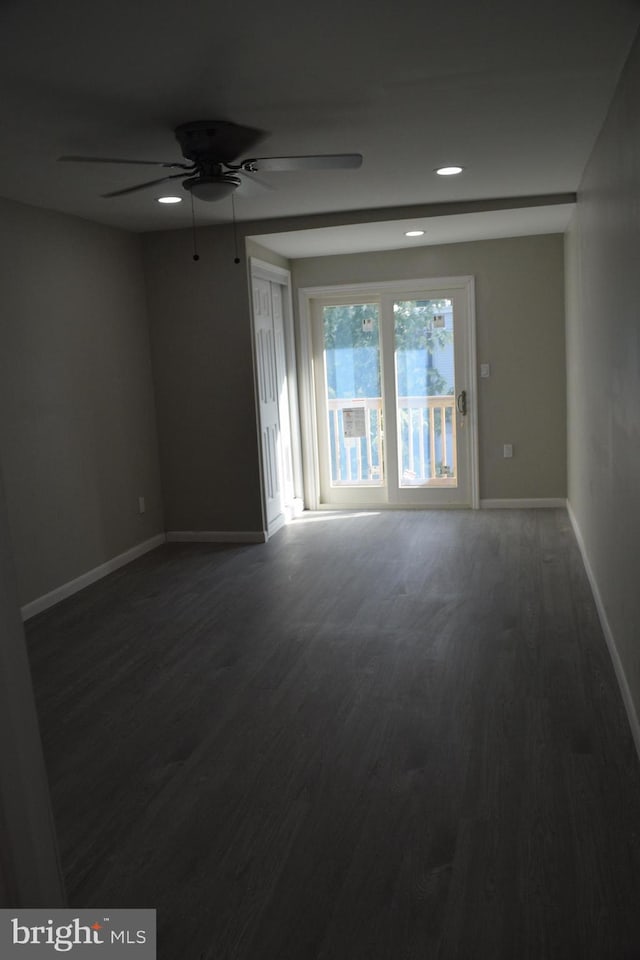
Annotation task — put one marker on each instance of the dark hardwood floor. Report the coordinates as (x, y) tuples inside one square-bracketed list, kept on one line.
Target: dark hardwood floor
[(383, 737)]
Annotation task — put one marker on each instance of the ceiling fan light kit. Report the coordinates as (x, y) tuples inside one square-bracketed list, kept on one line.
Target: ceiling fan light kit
[(212, 188)]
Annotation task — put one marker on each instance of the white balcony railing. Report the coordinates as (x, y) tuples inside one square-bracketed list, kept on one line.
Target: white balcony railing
[(427, 442)]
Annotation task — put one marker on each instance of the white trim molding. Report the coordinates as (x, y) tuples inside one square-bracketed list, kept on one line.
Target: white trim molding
[(84, 580), (269, 271), (216, 536), (532, 503), (623, 684)]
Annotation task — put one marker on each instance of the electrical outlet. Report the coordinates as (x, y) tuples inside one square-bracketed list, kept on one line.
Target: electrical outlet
[(141, 505), (508, 450)]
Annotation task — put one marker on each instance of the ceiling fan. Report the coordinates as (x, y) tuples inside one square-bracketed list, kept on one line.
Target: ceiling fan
[(213, 171)]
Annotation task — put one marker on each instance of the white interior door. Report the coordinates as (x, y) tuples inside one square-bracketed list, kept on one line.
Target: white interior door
[(394, 379), (275, 381), (282, 389), (268, 403)]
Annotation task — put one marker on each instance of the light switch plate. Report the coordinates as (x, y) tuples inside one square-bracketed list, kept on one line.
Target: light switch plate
[(508, 450), (485, 370)]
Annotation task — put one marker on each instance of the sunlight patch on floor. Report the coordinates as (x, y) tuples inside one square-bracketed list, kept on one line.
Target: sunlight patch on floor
[(309, 517)]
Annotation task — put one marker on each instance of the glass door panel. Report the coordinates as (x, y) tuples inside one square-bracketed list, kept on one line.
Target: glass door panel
[(425, 393), (353, 394)]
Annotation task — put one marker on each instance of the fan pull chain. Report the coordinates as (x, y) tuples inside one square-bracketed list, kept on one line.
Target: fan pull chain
[(196, 255), (236, 259)]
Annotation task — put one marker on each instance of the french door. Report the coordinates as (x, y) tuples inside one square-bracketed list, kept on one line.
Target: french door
[(393, 380)]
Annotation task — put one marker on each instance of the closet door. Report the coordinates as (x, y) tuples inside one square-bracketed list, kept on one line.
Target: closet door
[(268, 402)]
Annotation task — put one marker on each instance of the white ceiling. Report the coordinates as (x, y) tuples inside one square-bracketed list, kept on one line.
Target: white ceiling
[(514, 91), (390, 234)]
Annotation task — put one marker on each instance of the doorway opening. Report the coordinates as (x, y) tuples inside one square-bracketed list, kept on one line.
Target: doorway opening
[(388, 391)]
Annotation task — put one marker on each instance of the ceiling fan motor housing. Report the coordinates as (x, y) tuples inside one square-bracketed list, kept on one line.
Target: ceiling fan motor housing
[(215, 141)]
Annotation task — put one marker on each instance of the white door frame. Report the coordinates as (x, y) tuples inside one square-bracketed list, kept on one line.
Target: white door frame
[(308, 417), (260, 269)]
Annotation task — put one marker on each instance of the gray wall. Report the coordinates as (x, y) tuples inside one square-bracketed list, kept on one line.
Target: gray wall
[(603, 368), (77, 416), (520, 332), (202, 356), (30, 873)]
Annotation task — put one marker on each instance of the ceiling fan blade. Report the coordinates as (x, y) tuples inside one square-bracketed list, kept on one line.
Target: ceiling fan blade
[(327, 161), (253, 186), (147, 163), (142, 186)]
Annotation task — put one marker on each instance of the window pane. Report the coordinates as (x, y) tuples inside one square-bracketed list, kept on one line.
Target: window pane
[(425, 392), (353, 391)]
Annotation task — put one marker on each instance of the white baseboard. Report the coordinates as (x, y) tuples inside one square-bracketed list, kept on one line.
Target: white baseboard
[(216, 536), (97, 573), (608, 635), (535, 503)]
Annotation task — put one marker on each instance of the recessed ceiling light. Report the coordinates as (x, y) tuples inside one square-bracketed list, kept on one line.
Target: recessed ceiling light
[(414, 233), (169, 199), (449, 171)]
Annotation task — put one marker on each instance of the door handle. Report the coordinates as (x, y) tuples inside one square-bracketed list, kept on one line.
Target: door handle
[(461, 403)]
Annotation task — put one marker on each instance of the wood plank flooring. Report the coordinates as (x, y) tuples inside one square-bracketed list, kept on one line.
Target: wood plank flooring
[(394, 736)]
